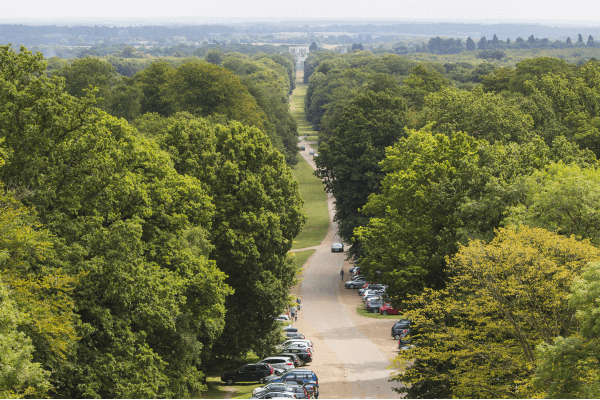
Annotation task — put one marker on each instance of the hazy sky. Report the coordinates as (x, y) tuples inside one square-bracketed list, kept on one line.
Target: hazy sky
[(499, 10)]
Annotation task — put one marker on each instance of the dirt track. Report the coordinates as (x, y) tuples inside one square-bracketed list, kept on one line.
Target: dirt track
[(352, 352)]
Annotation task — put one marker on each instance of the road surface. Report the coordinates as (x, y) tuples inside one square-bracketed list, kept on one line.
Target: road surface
[(352, 352)]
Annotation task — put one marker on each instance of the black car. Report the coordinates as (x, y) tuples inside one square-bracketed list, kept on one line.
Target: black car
[(248, 373), (337, 247), (295, 359), (399, 328), (304, 355)]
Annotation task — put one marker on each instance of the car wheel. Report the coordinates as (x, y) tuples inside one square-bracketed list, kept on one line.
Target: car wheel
[(384, 313), (230, 381), (376, 310), (351, 286), (397, 337), (261, 380)]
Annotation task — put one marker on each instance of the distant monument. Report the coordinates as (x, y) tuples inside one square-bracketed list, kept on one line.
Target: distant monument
[(300, 53)]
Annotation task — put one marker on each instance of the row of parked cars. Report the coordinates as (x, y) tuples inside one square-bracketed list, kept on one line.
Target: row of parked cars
[(373, 294), (281, 373)]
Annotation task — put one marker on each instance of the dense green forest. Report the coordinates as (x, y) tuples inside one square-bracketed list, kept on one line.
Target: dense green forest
[(135, 249), (470, 189), (148, 208)]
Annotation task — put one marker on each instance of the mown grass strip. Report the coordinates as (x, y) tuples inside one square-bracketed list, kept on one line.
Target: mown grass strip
[(315, 206), (300, 257), (311, 187)]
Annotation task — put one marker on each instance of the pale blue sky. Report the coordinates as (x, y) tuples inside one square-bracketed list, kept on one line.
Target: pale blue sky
[(491, 11)]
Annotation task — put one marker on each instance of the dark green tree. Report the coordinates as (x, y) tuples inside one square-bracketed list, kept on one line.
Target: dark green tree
[(214, 57), (313, 47), (482, 44), (152, 81), (470, 44), (568, 41), (579, 38), (150, 303), (590, 41), (258, 212), (349, 162)]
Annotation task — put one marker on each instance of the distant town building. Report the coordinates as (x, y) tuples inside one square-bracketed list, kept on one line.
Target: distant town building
[(300, 53)]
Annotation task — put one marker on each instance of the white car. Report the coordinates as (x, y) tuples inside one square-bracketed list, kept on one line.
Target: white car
[(293, 341), (279, 362), (284, 318), (296, 345)]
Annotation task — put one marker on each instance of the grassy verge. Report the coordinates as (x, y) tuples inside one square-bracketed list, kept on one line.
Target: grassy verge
[(300, 257), (362, 311), (297, 109), (315, 206)]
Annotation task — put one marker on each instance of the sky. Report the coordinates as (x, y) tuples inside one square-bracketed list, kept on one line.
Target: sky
[(567, 13)]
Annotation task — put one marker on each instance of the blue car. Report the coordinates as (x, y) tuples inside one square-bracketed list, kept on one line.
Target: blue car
[(298, 375)]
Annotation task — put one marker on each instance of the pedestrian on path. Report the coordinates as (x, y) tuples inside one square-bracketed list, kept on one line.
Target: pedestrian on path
[(299, 305), (342, 274)]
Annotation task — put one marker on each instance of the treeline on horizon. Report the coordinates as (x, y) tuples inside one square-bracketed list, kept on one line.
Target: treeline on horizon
[(471, 190), (145, 222), (492, 48)]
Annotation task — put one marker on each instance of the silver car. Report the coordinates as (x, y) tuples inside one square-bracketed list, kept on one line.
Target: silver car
[(279, 362)]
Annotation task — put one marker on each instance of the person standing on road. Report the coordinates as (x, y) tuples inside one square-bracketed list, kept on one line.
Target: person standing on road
[(342, 274)]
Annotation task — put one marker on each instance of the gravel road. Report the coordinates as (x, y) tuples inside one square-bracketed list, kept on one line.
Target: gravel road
[(352, 352)]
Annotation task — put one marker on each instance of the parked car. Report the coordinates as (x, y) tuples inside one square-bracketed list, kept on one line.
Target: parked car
[(284, 318), (294, 335), (387, 309), (352, 269), (311, 152), (303, 354), (276, 395), (292, 387), (298, 375), (355, 283), (290, 328), (295, 359), (337, 247), (373, 306), (404, 338), (279, 362), (399, 328), (313, 389), (248, 373), (295, 341), (372, 292), (372, 299), (302, 148), (372, 286)]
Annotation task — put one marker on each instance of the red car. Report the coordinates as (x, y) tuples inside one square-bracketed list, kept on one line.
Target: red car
[(387, 309)]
